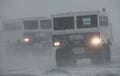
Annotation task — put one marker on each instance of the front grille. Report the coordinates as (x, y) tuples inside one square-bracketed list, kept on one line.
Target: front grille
[(73, 40), (38, 37), (67, 40), (77, 43)]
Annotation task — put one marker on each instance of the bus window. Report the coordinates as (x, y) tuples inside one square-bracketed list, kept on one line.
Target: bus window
[(62, 23), (86, 21), (30, 25), (103, 20), (45, 24), (12, 26)]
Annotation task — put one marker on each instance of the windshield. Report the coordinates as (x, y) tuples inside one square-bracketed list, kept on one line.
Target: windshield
[(63, 23), (87, 21)]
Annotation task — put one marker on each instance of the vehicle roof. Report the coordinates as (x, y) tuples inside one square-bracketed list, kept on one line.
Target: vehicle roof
[(22, 19), (81, 13)]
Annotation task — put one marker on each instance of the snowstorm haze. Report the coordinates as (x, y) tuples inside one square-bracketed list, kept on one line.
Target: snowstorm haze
[(17, 9)]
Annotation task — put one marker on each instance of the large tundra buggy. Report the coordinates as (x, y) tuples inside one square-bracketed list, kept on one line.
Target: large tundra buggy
[(79, 35), (25, 35)]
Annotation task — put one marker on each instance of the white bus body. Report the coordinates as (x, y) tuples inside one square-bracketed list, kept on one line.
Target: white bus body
[(16, 30)]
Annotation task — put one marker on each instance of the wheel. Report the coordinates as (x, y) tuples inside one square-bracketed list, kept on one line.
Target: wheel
[(98, 57), (102, 55), (65, 57), (107, 53)]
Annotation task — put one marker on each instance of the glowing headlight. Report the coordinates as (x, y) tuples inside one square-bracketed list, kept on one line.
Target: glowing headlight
[(26, 39), (57, 44), (96, 41)]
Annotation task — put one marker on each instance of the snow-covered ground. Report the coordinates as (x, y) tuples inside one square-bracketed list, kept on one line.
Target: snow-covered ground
[(41, 62)]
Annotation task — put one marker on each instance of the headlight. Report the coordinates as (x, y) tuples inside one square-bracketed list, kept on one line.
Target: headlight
[(57, 44), (26, 39), (96, 41)]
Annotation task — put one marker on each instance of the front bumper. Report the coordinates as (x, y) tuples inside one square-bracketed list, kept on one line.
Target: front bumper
[(77, 40)]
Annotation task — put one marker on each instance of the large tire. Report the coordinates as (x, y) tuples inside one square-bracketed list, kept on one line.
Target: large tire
[(98, 57), (107, 53), (102, 55), (65, 57)]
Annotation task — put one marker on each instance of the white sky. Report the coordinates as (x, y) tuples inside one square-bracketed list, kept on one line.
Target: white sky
[(14, 9)]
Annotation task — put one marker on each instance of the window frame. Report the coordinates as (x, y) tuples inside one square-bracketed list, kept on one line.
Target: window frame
[(31, 28), (105, 22), (72, 24), (12, 26), (50, 26), (94, 21)]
